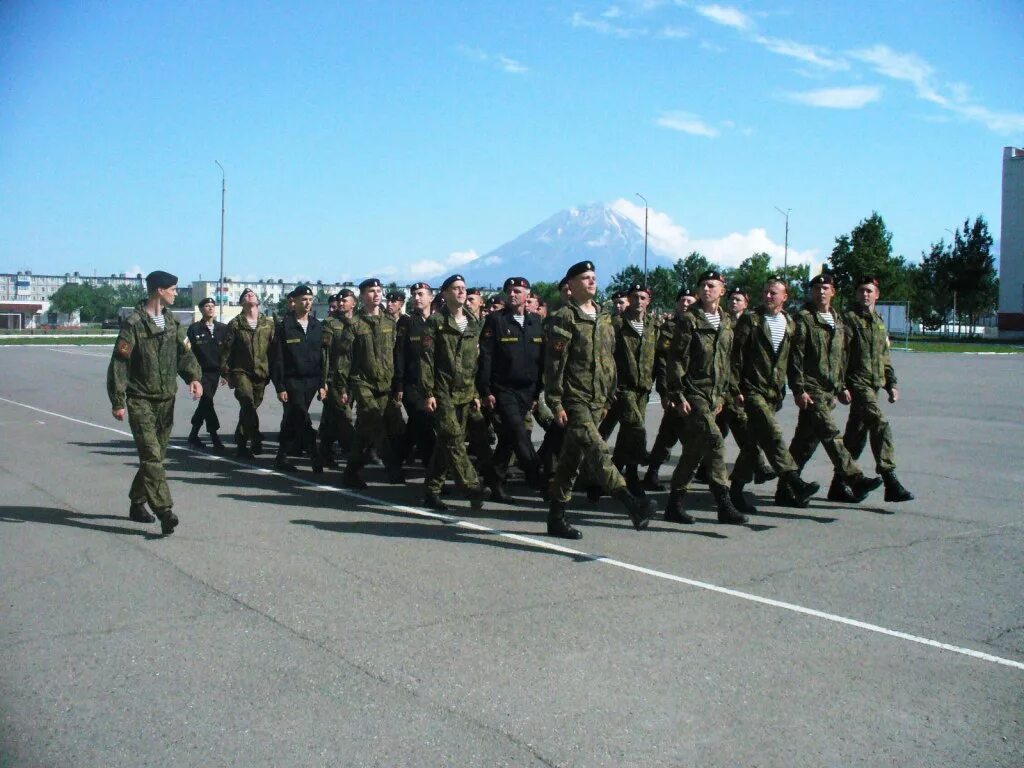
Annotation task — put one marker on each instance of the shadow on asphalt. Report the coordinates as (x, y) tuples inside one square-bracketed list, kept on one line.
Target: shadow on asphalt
[(55, 516)]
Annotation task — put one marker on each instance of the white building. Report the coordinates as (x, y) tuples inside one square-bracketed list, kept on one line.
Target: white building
[(269, 291), (1011, 245), (25, 297)]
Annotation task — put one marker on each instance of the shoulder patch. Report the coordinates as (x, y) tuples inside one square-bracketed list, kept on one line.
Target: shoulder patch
[(187, 343), (123, 348)]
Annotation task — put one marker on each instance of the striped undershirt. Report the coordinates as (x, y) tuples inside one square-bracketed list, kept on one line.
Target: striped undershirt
[(462, 321), (638, 326), (826, 317), (159, 320), (521, 319), (777, 327), (714, 320)]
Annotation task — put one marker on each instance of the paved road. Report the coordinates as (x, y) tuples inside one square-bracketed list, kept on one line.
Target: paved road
[(290, 623)]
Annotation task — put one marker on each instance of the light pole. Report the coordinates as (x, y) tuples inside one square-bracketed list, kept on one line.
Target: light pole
[(785, 253), (645, 235), (223, 199)]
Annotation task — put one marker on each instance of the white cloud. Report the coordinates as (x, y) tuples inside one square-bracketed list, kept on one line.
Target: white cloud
[(686, 122), (502, 62), (667, 237), (603, 26), (134, 270), (674, 33), (809, 54), (726, 15), (707, 45), (511, 66), (435, 268), (853, 97)]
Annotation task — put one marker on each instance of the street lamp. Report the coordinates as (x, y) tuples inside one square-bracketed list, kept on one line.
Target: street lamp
[(785, 253), (223, 198), (645, 235)]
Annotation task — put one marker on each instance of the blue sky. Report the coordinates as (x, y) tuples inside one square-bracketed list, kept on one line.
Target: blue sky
[(362, 138)]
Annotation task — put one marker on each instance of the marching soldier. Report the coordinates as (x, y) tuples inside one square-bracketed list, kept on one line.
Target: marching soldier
[(245, 366), (151, 350), (396, 304), (366, 361), (509, 382), (296, 366), (868, 369), (760, 359), (336, 417), (206, 336), (818, 361), (579, 379), (451, 348), (699, 377), (407, 387)]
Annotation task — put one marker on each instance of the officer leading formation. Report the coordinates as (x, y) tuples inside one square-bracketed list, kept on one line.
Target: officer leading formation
[(470, 372)]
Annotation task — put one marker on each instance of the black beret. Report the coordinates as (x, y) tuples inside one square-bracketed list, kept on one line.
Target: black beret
[(207, 300), (370, 282), (245, 291), (637, 287), (451, 279), (395, 296), (684, 292), (619, 295), (515, 282), (417, 286), (776, 279), (474, 292), (866, 280), (345, 293), (495, 300), (160, 279), (823, 279), (579, 268), (711, 274), (334, 297), (300, 290), (563, 282), (741, 292)]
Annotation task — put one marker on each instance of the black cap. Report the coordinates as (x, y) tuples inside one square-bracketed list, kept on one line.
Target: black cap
[(207, 300), (370, 282), (245, 291), (345, 293), (474, 292), (395, 296), (619, 295), (417, 286), (867, 280), (776, 279), (579, 268), (711, 274), (563, 282), (451, 279), (825, 278), (637, 287), (495, 300), (300, 290), (515, 282), (334, 297), (685, 292), (739, 291), (160, 279)]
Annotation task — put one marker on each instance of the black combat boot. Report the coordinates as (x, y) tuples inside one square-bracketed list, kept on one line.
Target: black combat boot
[(351, 478), (674, 512), (894, 490), (218, 446), (594, 493), (242, 452), (194, 441), (477, 496), (800, 491), (651, 478), (557, 524), (497, 488), (281, 464), (168, 520), (138, 513), (257, 445), (432, 501), (739, 500), (639, 509), (632, 476), (764, 472), (840, 491), (861, 485), (727, 513)]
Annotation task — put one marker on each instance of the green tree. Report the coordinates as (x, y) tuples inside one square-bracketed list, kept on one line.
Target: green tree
[(931, 297), (72, 296), (972, 272), (661, 281), (689, 269), (751, 275), (547, 291), (867, 250)]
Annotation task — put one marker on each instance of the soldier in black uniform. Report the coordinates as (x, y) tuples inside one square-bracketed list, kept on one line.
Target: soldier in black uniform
[(206, 336), (406, 387), (509, 380), (296, 368)]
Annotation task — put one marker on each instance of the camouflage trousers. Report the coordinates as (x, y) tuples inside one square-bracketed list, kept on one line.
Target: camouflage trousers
[(335, 423), (866, 419), (814, 425), (150, 422), (704, 442), (762, 433), (669, 432), (584, 446), (249, 394), (631, 443), (378, 425), (450, 424)]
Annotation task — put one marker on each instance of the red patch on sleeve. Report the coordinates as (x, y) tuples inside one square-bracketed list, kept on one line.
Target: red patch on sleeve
[(123, 349), (558, 345)]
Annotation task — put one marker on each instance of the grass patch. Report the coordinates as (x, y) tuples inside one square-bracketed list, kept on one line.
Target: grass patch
[(26, 341), (961, 346)]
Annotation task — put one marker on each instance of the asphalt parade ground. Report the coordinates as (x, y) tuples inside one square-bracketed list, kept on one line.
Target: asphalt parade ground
[(290, 622)]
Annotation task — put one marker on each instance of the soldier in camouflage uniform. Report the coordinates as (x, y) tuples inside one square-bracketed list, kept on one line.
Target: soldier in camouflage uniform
[(451, 349), (671, 422), (364, 363), (151, 350), (580, 379), (407, 387), (817, 378), (245, 366), (636, 337), (868, 369), (699, 377), (760, 360), (336, 417)]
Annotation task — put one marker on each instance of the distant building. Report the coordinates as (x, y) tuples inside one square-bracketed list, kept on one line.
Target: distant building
[(269, 291), (25, 297), (1011, 245)]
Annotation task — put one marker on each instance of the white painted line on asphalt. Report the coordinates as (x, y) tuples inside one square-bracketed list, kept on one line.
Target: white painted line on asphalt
[(548, 545)]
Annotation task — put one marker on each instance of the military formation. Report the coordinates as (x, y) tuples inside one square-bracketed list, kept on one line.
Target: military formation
[(456, 383)]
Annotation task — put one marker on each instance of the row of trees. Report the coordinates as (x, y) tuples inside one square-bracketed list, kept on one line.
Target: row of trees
[(102, 302)]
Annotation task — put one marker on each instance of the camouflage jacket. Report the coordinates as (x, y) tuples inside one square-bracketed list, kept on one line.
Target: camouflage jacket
[(335, 363), (699, 360), (449, 358), (634, 353), (409, 351), (146, 359), (369, 341), (245, 350), (817, 362), (666, 332), (579, 358), (757, 367), (868, 364)]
